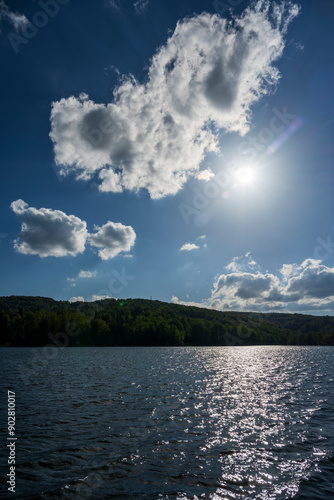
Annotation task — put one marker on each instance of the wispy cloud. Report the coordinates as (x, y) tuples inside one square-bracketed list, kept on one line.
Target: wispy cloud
[(15, 18), (87, 274), (141, 6), (114, 4), (156, 135)]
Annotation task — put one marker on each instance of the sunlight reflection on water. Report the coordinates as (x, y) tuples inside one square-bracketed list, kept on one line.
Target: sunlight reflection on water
[(178, 423)]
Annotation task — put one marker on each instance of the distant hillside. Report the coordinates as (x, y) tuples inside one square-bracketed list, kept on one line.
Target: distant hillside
[(37, 321)]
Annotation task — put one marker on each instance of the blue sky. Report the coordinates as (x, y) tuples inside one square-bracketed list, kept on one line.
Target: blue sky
[(179, 150)]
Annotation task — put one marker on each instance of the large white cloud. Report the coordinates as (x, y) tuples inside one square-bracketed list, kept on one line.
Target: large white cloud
[(154, 135), (305, 287), (52, 233), (112, 238), (48, 233)]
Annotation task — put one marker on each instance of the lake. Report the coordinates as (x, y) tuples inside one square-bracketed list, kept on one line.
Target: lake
[(171, 422)]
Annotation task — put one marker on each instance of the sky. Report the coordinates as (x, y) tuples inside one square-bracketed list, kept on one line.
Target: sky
[(180, 151)]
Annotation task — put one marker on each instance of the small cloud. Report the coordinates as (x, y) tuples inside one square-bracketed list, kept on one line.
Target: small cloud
[(188, 247), (15, 18), (99, 297), (176, 300), (112, 239), (141, 6), (76, 299), (72, 282), (87, 274), (205, 175), (203, 237)]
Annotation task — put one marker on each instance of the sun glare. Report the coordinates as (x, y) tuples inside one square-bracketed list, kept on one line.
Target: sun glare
[(245, 176)]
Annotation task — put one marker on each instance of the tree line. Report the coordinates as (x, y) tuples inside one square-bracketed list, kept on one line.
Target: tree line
[(37, 321)]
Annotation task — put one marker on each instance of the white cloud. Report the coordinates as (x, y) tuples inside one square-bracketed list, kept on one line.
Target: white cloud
[(306, 287), (76, 299), (15, 18), (87, 274), (52, 233), (48, 233), (112, 238), (189, 246), (241, 263), (99, 297), (203, 237), (176, 300), (314, 280), (205, 175), (155, 135)]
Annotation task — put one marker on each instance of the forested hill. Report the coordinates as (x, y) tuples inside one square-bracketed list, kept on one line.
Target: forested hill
[(38, 321)]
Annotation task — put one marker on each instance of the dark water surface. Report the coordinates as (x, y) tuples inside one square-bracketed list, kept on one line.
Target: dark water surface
[(171, 423)]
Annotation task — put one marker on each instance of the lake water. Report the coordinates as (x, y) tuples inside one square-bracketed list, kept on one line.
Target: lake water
[(171, 422)]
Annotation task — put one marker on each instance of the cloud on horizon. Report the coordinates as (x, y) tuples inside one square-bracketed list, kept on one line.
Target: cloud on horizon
[(93, 298), (155, 135), (52, 233), (245, 287), (76, 299)]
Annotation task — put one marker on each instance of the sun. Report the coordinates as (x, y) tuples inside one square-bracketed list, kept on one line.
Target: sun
[(245, 176)]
